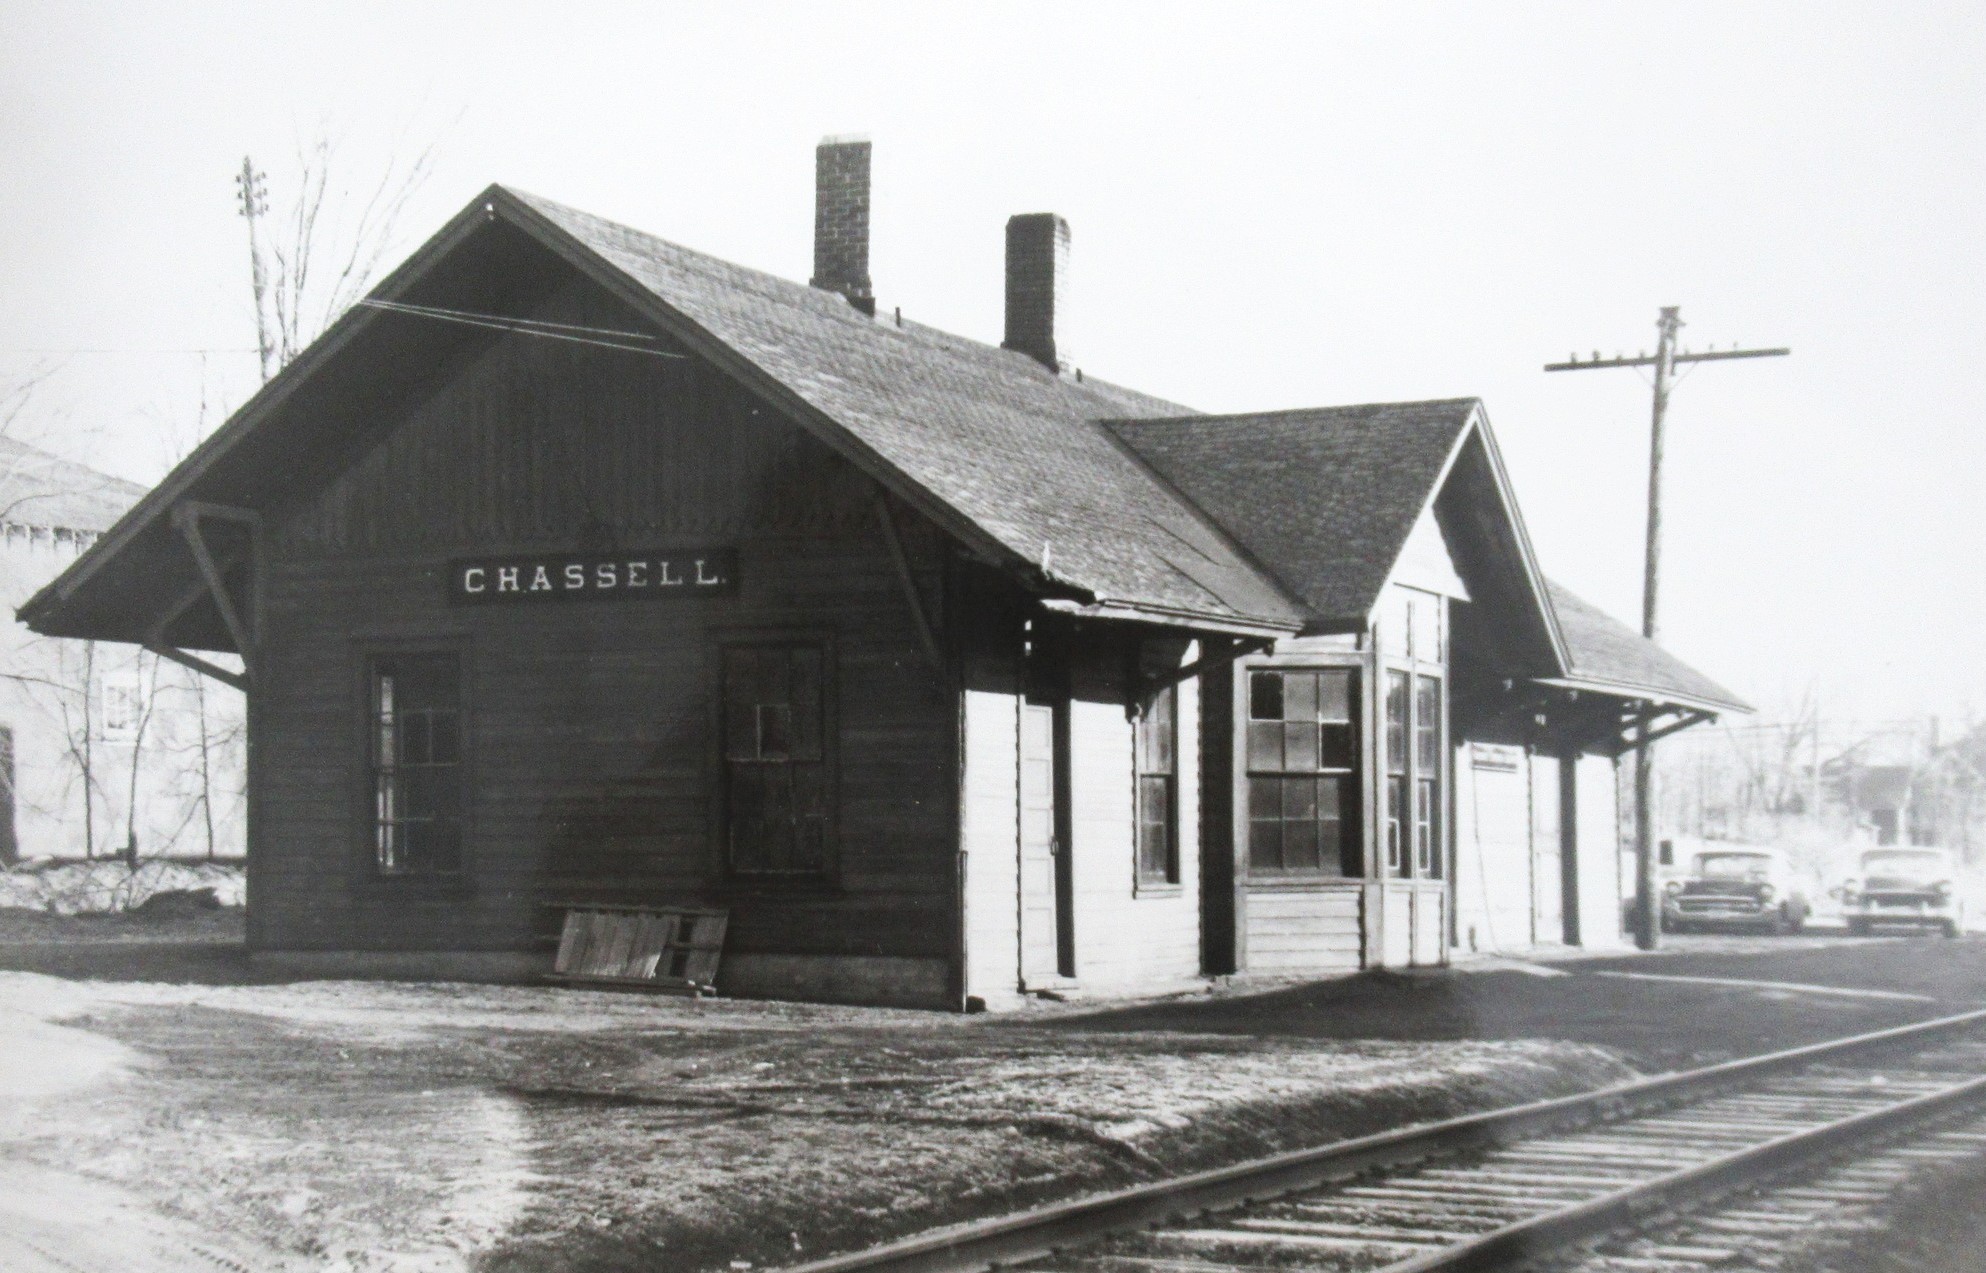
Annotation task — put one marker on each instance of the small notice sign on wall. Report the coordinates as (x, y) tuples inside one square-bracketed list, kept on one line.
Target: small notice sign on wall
[(675, 572), (1496, 757)]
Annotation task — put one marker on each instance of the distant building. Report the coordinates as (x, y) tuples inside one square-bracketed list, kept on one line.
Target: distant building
[(1888, 783), (88, 731)]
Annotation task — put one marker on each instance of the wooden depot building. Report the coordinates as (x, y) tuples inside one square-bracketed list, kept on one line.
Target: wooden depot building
[(577, 567)]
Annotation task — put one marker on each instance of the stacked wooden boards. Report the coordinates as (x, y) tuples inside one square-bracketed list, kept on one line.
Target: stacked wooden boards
[(671, 949)]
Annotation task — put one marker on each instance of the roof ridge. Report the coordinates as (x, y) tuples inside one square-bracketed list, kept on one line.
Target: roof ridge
[(44, 453), (1217, 417), (833, 303)]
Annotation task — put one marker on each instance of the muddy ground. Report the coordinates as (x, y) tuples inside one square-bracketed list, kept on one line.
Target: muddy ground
[(151, 1096)]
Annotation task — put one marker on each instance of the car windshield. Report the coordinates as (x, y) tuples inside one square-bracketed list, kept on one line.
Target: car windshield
[(1905, 865), (1733, 866)]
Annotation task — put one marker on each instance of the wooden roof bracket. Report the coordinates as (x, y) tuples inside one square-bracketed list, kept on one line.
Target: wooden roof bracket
[(155, 640), (1219, 653), (187, 516), (236, 679), (1649, 732), (927, 633)]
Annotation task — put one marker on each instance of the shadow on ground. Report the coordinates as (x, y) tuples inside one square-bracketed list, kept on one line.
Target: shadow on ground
[(1657, 1025)]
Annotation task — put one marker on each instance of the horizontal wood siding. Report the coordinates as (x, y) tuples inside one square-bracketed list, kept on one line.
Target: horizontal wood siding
[(591, 747), (1317, 928)]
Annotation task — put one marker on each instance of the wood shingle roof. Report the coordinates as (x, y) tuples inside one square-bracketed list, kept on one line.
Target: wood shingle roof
[(1268, 523), (1324, 498), (1609, 656), (992, 433)]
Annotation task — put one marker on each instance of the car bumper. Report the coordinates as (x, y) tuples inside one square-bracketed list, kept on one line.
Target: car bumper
[(1721, 916), (1919, 914)]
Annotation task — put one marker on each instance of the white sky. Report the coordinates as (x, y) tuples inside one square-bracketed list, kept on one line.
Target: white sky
[(1272, 206)]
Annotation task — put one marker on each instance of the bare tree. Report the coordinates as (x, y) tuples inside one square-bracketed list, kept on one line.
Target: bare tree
[(323, 246)]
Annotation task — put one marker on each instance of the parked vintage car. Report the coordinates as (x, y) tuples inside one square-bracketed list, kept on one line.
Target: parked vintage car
[(1738, 887), (1911, 886)]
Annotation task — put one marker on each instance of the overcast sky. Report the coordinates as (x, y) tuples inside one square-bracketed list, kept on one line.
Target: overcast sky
[(1272, 206)]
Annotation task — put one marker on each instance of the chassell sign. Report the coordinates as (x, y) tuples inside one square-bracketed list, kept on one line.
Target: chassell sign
[(592, 576)]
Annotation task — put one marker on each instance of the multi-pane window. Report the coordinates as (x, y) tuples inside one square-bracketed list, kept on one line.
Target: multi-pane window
[(1303, 771), (775, 759), (1155, 744), (1427, 775), (1413, 645), (1398, 725), (121, 706), (417, 764)]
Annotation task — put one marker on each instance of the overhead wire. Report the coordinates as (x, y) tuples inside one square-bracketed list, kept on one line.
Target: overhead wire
[(572, 332)]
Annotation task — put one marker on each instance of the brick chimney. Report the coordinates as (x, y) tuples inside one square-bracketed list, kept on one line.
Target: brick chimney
[(1037, 277), (841, 220)]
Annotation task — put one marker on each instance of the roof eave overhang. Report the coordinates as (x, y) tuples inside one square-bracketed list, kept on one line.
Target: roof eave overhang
[(497, 203), (1478, 426), (1129, 612), (180, 483), (1645, 694)]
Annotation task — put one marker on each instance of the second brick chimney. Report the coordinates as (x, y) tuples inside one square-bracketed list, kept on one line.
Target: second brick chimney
[(1037, 277), (841, 220)]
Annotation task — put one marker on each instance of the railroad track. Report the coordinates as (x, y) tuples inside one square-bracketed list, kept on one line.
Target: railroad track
[(1513, 1186)]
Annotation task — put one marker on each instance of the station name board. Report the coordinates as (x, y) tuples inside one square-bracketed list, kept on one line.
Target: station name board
[(677, 572), (1496, 757)]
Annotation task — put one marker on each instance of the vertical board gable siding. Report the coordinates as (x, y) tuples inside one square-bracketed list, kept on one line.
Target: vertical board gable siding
[(541, 438), (591, 749)]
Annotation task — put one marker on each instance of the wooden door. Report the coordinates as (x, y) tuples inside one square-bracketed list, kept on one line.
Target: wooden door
[(1041, 908)]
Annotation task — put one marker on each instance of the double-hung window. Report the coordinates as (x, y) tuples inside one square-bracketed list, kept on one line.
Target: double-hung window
[(1303, 772), (1414, 649), (416, 719), (1155, 747)]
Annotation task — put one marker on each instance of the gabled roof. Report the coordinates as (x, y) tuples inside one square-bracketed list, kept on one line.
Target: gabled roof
[(1265, 523), (987, 442), (1611, 658), (39, 489), (990, 432), (1326, 499)]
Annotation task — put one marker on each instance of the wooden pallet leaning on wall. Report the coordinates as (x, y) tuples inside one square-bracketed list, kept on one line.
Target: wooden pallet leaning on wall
[(666, 948)]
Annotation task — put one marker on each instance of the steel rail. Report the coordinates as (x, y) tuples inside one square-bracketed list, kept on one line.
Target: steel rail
[(978, 1245), (1624, 1207)]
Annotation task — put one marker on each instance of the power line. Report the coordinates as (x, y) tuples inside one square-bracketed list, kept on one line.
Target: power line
[(253, 190), (1666, 356), (105, 349), (526, 327)]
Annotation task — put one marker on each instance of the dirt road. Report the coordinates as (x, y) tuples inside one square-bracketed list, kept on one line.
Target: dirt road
[(367, 1127)]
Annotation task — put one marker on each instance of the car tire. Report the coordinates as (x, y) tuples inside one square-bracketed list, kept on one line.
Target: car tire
[(1788, 922), (1858, 927), (1949, 928)]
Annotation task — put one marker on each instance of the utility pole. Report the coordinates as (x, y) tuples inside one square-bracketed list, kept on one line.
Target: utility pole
[(1647, 916), (254, 193)]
